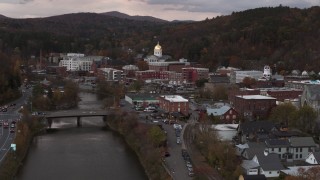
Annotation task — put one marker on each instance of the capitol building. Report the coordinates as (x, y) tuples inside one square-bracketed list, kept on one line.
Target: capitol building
[(157, 55)]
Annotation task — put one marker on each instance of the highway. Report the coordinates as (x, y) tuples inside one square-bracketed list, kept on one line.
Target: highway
[(7, 137)]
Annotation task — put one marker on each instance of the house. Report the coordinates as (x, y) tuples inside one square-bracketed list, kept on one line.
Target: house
[(225, 114), (280, 147), (250, 167), (313, 158), (300, 147), (253, 149), (254, 130), (270, 164)]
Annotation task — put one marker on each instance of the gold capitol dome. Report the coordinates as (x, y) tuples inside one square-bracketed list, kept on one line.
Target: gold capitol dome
[(157, 46)]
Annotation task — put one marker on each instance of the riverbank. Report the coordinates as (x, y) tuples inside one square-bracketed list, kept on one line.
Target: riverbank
[(136, 136), (26, 129)]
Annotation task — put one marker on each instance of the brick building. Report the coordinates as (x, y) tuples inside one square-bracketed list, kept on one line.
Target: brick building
[(282, 94), (193, 74), (254, 106), (174, 103), (148, 74), (240, 92)]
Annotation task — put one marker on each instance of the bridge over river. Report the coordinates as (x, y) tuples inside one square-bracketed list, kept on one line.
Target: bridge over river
[(76, 114)]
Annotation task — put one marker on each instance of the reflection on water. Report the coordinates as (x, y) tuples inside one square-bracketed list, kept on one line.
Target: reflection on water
[(89, 152)]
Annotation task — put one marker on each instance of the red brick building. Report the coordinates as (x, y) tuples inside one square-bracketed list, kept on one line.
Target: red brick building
[(148, 74), (193, 74), (174, 103), (243, 91), (282, 94), (254, 106)]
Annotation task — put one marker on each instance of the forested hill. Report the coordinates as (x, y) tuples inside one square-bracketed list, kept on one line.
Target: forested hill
[(284, 36)]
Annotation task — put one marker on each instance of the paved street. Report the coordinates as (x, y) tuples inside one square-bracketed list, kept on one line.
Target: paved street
[(6, 138)]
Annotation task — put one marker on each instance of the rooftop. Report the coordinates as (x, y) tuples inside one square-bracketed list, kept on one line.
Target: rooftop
[(255, 97), (174, 98)]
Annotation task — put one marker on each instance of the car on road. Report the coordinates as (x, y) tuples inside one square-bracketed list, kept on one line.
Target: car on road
[(188, 164), (178, 140), (191, 173), (12, 130), (13, 125), (177, 126), (5, 124)]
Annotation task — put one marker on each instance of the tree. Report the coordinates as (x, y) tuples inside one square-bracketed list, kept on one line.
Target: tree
[(220, 93), (284, 113), (142, 65), (248, 82), (157, 136), (306, 118), (303, 174), (200, 83)]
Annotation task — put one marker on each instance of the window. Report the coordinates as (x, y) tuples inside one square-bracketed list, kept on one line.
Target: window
[(227, 117), (234, 116), (272, 149), (296, 156), (296, 149), (279, 149), (300, 156), (269, 172), (300, 149)]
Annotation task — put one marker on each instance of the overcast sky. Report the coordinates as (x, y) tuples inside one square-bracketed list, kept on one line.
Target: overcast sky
[(164, 9)]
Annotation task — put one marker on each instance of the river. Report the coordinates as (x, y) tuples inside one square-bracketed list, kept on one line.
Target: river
[(86, 153)]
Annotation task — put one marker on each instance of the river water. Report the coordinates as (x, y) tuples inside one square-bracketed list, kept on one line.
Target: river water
[(86, 153)]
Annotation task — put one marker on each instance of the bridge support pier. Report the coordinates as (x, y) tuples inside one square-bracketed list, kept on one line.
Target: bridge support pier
[(49, 121), (78, 121)]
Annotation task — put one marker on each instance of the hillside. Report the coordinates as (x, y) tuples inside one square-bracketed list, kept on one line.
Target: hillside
[(287, 37), (137, 18)]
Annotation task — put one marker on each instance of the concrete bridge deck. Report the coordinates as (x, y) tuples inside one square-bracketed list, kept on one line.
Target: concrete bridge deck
[(77, 114)]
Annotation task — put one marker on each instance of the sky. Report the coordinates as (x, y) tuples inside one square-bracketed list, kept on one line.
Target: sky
[(163, 9)]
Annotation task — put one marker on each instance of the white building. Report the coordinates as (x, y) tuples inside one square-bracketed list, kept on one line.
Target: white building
[(238, 76), (110, 74), (76, 62), (157, 55)]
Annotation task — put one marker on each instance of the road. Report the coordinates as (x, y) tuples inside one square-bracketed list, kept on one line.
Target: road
[(6, 138), (175, 163)]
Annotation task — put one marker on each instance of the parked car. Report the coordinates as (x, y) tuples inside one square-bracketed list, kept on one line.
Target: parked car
[(178, 140), (191, 173)]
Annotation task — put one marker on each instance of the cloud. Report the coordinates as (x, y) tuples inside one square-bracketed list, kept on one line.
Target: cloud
[(15, 1), (227, 6), (165, 9)]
